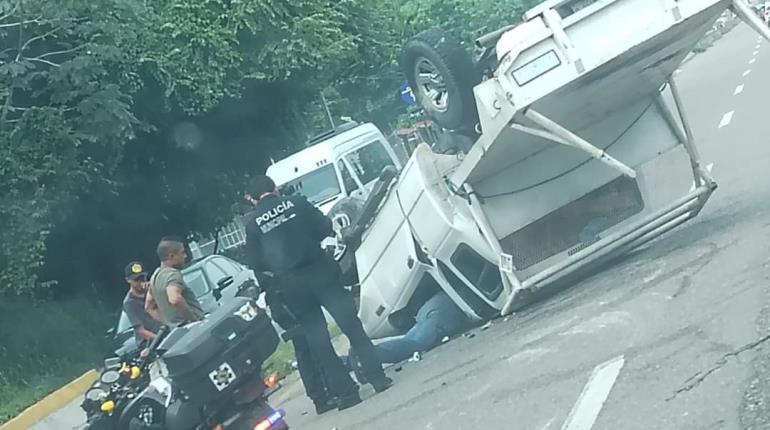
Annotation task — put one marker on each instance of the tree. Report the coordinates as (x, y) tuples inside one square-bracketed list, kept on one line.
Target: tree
[(64, 109), (122, 120)]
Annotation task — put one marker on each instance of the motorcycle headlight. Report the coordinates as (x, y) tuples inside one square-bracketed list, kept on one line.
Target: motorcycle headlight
[(110, 377), (96, 394)]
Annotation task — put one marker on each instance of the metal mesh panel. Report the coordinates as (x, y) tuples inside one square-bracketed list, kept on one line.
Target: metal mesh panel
[(578, 224)]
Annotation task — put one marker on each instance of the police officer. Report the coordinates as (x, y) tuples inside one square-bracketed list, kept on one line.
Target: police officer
[(284, 238), (312, 376)]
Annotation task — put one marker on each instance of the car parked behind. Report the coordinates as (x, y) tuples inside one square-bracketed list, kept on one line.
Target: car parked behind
[(202, 277)]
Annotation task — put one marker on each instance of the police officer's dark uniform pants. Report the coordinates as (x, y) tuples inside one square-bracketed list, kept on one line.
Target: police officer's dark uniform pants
[(305, 293), (309, 371)]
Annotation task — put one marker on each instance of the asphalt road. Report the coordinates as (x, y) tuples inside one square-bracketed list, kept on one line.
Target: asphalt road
[(672, 337)]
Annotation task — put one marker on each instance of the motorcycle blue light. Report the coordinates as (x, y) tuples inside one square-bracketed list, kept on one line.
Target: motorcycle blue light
[(268, 422)]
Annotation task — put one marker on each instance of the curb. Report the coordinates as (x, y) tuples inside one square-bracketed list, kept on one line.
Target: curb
[(51, 403)]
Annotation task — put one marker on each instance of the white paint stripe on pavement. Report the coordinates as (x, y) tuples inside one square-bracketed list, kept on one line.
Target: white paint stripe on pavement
[(746, 73), (726, 119), (755, 53), (585, 412), (752, 61), (739, 89)]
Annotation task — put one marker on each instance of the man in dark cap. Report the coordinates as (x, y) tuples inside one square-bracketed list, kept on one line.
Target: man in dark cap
[(145, 326)]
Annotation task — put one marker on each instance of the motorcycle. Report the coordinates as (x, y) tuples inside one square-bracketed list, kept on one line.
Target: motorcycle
[(201, 375)]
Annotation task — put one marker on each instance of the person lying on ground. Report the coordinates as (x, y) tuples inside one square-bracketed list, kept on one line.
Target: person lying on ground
[(437, 318)]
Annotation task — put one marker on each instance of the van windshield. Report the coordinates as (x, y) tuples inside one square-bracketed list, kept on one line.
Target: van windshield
[(317, 186), (369, 161)]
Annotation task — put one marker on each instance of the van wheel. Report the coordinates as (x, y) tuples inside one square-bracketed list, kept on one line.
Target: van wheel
[(442, 76)]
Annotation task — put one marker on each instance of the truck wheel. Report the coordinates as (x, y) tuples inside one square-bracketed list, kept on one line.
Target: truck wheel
[(442, 76)]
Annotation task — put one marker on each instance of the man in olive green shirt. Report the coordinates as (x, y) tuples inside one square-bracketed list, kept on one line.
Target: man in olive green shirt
[(169, 299)]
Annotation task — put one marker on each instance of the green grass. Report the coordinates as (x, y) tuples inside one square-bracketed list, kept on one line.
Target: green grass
[(280, 361), (46, 345)]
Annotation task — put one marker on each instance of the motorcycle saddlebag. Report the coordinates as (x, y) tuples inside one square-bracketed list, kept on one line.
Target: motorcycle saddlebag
[(211, 357)]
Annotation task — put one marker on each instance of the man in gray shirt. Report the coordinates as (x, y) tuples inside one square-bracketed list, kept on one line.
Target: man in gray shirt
[(145, 327), (169, 299)]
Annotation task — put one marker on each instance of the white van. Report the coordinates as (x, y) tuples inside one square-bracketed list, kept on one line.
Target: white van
[(336, 173), (340, 163)]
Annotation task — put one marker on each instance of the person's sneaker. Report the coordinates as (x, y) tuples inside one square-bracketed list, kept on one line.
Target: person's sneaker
[(348, 401), (324, 406), (381, 384)]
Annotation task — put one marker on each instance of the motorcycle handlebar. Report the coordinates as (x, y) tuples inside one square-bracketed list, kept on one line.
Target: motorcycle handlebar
[(162, 333)]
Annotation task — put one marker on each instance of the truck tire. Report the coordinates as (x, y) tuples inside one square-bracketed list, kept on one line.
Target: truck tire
[(442, 76)]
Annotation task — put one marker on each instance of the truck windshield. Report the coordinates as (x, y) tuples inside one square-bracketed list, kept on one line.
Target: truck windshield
[(317, 186)]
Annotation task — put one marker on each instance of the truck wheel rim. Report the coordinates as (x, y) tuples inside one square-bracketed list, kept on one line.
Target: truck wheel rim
[(431, 85)]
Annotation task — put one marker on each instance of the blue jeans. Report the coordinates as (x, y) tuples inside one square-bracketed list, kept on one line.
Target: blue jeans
[(423, 336)]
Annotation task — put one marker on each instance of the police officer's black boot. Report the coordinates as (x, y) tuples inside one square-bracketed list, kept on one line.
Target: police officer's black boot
[(348, 401), (323, 406), (381, 383)]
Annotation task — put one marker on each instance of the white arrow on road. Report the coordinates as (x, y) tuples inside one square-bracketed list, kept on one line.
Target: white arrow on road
[(708, 167), (585, 412)]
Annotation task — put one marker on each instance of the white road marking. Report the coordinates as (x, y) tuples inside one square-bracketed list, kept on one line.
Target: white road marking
[(585, 412), (739, 89), (726, 119), (746, 73), (755, 53), (548, 424), (752, 61)]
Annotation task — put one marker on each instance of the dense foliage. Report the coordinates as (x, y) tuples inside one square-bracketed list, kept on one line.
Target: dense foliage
[(121, 120)]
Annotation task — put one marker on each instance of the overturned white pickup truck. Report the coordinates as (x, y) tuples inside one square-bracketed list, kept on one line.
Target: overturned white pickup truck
[(582, 152)]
